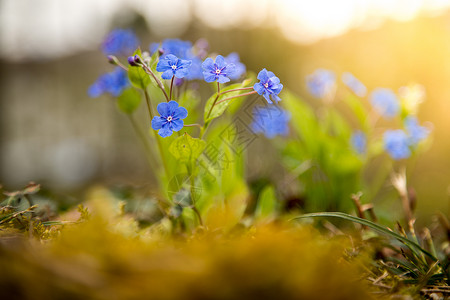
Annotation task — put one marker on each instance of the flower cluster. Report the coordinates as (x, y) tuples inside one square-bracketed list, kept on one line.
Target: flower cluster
[(171, 66), (358, 140), (170, 119), (269, 86), (120, 42), (113, 83), (385, 102), (218, 70), (321, 83), (271, 121), (354, 84)]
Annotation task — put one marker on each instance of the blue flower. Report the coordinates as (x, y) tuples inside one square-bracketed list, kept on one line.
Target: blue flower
[(113, 83), (416, 132), (233, 58), (177, 47), (170, 118), (269, 86), (354, 84), (321, 83), (173, 66), (271, 121), (195, 71), (385, 102), (358, 141), (120, 42), (396, 143), (218, 70), (183, 50)]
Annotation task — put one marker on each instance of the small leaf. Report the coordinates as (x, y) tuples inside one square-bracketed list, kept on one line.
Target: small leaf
[(186, 148), (218, 109), (266, 203), (137, 75), (129, 100)]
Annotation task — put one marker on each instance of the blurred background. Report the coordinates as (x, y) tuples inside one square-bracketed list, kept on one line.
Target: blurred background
[(51, 132)]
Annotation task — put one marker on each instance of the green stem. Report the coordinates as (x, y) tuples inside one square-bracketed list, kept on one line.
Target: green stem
[(158, 82), (241, 95), (192, 183), (193, 125), (215, 100), (142, 137), (235, 90), (171, 87), (158, 141), (149, 106)]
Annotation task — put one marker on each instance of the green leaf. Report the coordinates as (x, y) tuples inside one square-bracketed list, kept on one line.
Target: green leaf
[(186, 148), (137, 75), (371, 225), (266, 203), (129, 100), (218, 109)]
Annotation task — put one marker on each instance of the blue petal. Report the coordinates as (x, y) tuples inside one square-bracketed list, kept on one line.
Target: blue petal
[(95, 90), (171, 58), (209, 77), (266, 96), (276, 98), (173, 105), (259, 88), (275, 80), (220, 62), (165, 131), (277, 89), (158, 122), (167, 74), (230, 69), (262, 75), (162, 65), (180, 113), (177, 125), (270, 74), (180, 73), (223, 79), (184, 63), (208, 64), (163, 109)]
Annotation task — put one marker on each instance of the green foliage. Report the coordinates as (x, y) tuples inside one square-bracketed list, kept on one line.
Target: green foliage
[(129, 101), (214, 109), (334, 172), (267, 204), (187, 149), (138, 77)]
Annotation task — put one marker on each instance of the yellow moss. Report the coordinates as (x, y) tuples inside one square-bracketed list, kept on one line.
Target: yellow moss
[(100, 259)]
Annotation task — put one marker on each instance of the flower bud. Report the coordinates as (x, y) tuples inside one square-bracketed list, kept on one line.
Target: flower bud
[(113, 60), (134, 61)]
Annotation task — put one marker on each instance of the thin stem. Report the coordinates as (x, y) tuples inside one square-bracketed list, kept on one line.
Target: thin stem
[(158, 141), (158, 82), (212, 106), (235, 90), (142, 137), (218, 88), (171, 87), (121, 65), (192, 183), (149, 106), (241, 95), (193, 125)]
